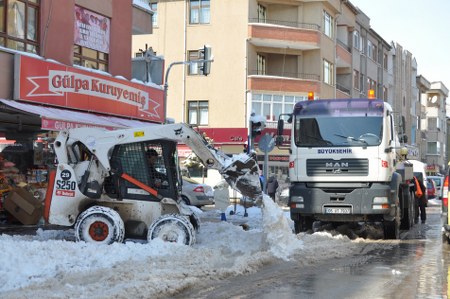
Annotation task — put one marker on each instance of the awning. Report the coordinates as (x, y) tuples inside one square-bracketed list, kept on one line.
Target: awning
[(56, 119)]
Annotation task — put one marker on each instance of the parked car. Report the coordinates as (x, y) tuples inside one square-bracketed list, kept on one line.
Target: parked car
[(431, 189), (196, 194), (439, 180)]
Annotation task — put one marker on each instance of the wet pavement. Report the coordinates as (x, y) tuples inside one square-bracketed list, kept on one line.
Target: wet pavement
[(417, 266)]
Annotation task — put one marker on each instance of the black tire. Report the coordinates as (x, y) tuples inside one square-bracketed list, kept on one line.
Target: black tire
[(186, 200), (172, 228), (391, 229), (99, 225), (412, 209), (303, 224), (408, 211)]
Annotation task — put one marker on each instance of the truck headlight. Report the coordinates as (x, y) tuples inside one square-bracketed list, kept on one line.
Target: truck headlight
[(380, 203)]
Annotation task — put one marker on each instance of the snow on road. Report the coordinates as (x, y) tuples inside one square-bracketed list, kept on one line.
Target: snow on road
[(50, 265)]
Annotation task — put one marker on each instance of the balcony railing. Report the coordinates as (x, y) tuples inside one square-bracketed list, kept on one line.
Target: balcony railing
[(343, 45), (342, 88), (286, 23), (285, 75)]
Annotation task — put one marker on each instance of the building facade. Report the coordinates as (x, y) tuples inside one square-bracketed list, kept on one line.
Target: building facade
[(67, 64), (270, 54)]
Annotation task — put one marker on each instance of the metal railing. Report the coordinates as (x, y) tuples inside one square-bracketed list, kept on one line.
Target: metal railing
[(286, 23), (343, 45), (302, 76), (342, 88)]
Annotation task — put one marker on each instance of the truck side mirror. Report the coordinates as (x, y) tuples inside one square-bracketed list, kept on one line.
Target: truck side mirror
[(280, 127)]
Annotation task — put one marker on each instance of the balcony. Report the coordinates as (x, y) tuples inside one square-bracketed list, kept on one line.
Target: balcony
[(283, 81), (284, 34), (343, 55), (142, 17)]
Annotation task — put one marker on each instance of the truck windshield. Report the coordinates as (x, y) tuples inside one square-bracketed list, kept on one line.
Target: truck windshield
[(328, 131)]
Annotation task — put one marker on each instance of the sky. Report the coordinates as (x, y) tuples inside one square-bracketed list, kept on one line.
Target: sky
[(51, 265), (419, 26)]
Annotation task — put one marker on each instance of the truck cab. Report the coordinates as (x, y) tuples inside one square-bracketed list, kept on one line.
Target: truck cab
[(344, 155)]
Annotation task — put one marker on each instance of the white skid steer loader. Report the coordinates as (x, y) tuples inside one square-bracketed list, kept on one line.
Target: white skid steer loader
[(110, 185)]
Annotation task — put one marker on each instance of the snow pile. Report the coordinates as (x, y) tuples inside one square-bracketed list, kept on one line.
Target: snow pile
[(50, 265), (277, 231)]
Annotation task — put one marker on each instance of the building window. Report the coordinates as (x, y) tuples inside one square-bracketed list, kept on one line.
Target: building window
[(375, 53), (328, 24), (433, 123), (385, 61), (154, 8), (385, 93), (90, 58), (356, 80), (262, 13), (272, 105), (371, 84), (328, 72), (433, 148), (198, 113), (19, 24), (194, 67), (356, 39), (261, 65), (199, 11), (369, 49)]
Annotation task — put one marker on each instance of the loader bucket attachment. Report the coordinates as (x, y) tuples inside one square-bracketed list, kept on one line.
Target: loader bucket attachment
[(243, 176)]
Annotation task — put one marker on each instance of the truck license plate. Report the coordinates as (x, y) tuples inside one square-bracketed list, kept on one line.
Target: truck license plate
[(337, 210)]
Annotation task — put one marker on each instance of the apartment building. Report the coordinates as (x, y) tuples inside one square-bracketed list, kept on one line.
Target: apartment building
[(434, 126), (270, 54), (267, 56)]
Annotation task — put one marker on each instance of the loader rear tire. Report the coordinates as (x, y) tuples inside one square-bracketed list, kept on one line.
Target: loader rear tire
[(172, 228), (100, 225)]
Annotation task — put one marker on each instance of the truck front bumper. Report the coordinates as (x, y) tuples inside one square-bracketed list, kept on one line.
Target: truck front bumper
[(374, 202)]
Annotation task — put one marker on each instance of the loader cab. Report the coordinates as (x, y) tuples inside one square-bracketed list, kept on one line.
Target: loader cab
[(152, 163)]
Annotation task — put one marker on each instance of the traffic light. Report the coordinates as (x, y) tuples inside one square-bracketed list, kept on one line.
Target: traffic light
[(256, 128), (206, 69)]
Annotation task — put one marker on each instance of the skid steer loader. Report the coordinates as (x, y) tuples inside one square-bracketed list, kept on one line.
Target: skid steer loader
[(108, 188)]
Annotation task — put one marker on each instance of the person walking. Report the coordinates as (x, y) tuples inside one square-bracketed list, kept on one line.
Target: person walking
[(272, 186)]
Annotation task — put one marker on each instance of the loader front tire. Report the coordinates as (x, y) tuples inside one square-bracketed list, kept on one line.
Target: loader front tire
[(172, 228), (100, 225)]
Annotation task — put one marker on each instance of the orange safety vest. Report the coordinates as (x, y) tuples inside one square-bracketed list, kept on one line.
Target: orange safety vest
[(419, 191)]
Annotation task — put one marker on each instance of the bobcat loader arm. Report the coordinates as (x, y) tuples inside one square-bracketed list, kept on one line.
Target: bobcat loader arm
[(240, 171)]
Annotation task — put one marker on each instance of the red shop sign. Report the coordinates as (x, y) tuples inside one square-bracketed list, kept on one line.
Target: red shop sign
[(59, 85)]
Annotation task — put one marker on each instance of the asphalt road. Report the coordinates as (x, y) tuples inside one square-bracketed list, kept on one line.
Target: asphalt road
[(417, 266)]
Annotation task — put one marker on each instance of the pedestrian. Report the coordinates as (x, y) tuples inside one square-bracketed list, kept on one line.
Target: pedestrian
[(272, 186), (420, 199)]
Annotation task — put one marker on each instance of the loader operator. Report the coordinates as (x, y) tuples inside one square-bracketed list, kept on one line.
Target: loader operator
[(156, 177)]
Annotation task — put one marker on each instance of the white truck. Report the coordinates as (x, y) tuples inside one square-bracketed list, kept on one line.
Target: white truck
[(110, 185), (346, 165)]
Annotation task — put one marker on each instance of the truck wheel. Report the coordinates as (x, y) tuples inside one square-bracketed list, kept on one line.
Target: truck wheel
[(172, 228), (100, 225), (412, 209), (303, 224), (392, 228), (408, 211)]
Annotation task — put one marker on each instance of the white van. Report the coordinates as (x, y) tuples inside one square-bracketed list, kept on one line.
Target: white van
[(439, 181)]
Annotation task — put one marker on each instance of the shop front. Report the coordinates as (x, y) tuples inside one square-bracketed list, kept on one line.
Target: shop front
[(41, 98)]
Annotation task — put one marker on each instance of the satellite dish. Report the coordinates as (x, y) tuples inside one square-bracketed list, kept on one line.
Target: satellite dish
[(433, 99)]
